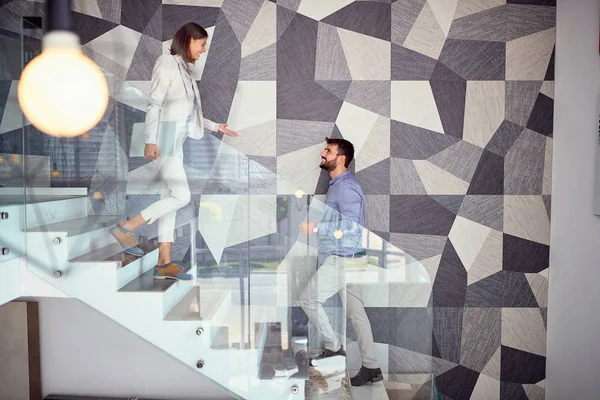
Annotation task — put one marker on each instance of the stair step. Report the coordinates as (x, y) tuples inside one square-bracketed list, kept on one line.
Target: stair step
[(115, 253), (375, 391), (211, 299), (147, 283), (18, 199), (78, 226)]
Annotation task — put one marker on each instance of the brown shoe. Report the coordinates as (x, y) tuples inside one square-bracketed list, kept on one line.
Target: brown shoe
[(127, 240), (171, 271)]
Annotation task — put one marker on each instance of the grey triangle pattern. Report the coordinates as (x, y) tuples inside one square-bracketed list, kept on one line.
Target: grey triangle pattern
[(241, 15), (504, 138), (404, 15), (284, 18), (460, 160), (476, 350), (527, 19), (337, 88), (145, 55), (293, 135), (221, 71), (487, 210), (260, 65), (408, 65), (361, 17), (154, 27), (520, 100), (415, 143), (371, 95), (488, 25), (111, 10), (331, 61), (375, 179), (524, 164), (452, 203), (289, 4), (548, 203), (378, 208), (475, 60), (404, 178)]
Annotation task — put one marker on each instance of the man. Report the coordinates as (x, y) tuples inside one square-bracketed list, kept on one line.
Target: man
[(340, 246)]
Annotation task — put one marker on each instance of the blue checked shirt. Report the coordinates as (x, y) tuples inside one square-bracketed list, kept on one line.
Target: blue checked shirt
[(344, 211)]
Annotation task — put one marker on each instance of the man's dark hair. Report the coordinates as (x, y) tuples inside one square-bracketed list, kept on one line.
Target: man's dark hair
[(183, 38), (344, 148)]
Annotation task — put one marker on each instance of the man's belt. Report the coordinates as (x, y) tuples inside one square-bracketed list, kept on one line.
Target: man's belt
[(355, 255)]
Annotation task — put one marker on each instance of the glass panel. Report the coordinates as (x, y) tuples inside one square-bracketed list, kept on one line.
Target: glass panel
[(13, 175), (265, 300)]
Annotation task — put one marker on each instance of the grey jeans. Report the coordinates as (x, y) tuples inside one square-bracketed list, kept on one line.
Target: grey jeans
[(325, 283)]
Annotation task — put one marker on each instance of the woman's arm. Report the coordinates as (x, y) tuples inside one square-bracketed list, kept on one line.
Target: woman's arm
[(215, 127), (210, 125), (162, 77)]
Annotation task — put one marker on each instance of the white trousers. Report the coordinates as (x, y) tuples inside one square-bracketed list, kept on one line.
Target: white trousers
[(325, 283), (174, 194)]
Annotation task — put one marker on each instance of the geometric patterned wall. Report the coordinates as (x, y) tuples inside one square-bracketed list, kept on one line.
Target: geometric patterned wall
[(449, 104)]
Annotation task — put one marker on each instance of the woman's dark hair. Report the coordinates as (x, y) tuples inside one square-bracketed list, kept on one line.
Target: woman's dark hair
[(344, 148), (183, 37)]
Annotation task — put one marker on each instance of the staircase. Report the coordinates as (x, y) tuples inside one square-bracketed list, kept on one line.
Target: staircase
[(74, 252), (244, 341)]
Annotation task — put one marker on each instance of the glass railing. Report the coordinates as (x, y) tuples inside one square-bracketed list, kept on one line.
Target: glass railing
[(14, 172), (265, 300)]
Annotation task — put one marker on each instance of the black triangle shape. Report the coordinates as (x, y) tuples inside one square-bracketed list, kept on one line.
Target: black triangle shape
[(369, 18), (89, 28), (136, 14), (443, 73), (541, 119), (489, 175), (550, 71), (174, 16)]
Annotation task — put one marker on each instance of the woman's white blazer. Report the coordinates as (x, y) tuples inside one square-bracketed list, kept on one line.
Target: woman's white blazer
[(169, 101)]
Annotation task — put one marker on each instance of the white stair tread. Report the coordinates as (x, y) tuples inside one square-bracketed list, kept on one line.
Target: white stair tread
[(371, 391), (16, 199), (44, 191), (111, 253), (80, 225), (211, 299)]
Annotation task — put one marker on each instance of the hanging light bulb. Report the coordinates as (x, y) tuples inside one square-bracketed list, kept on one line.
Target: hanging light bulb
[(62, 92)]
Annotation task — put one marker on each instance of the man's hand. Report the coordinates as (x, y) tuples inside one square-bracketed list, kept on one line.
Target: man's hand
[(306, 228), (226, 131), (151, 151)]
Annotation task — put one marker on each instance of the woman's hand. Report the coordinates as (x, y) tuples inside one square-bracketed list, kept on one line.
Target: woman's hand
[(226, 131), (151, 151)]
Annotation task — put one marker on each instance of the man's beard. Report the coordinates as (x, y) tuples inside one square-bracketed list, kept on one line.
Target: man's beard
[(328, 165)]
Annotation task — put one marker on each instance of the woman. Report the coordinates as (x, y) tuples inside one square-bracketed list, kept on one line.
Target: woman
[(174, 113)]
